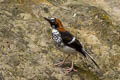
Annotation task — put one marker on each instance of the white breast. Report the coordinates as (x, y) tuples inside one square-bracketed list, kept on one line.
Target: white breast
[(67, 49), (55, 31)]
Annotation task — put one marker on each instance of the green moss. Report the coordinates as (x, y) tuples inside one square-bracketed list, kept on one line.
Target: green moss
[(57, 1), (106, 18), (100, 13), (49, 32)]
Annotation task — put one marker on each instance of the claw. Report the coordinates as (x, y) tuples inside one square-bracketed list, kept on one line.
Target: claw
[(71, 70)]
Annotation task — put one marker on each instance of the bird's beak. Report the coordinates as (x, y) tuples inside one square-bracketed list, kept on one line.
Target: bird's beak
[(47, 19)]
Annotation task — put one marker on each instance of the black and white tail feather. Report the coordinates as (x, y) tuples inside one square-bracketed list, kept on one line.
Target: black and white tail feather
[(85, 52)]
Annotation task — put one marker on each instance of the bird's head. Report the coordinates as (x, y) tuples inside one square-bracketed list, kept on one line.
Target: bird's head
[(55, 23)]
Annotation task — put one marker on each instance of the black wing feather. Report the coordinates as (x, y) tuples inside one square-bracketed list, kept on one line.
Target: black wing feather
[(67, 37)]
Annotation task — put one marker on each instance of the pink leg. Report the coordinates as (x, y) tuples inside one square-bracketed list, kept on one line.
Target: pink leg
[(61, 63), (71, 68)]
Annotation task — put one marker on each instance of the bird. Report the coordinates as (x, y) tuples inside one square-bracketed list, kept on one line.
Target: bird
[(66, 42)]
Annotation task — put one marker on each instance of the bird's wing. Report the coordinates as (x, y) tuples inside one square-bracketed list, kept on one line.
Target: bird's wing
[(69, 40)]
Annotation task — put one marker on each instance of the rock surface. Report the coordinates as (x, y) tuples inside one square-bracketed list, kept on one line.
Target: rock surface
[(26, 48)]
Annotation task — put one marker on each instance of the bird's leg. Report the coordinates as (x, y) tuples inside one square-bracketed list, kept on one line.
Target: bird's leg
[(71, 68), (61, 63)]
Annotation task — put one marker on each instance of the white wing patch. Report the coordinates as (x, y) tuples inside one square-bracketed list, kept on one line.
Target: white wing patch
[(72, 40)]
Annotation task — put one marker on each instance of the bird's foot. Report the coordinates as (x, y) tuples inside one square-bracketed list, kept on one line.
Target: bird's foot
[(71, 69), (59, 63)]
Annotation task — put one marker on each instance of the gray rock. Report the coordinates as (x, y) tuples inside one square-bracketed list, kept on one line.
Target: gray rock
[(27, 50)]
